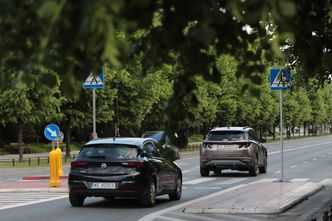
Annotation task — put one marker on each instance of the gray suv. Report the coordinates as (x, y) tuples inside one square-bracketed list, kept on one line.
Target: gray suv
[(235, 148)]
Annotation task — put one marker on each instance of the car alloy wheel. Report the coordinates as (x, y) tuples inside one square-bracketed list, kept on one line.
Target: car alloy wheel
[(253, 171), (149, 199), (204, 171), (176, 195)]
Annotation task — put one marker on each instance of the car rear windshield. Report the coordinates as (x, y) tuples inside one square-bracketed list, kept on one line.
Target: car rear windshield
[(226, 135), (114, 151)]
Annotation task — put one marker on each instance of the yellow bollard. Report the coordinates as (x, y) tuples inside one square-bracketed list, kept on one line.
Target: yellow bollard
[(54, 169), (59, 159)]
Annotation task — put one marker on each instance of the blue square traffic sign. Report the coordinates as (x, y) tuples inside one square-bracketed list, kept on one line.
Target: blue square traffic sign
[(280, 79)]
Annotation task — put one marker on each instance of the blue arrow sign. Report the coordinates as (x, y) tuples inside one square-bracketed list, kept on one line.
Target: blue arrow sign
[(95, 81), (280, 79), (52, 132)]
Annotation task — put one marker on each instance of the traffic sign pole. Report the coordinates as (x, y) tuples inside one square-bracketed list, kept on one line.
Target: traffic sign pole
[(94, 113), (280, 81), (281, 139)]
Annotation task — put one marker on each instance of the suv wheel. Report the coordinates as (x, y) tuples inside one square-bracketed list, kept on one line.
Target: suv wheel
[(76, 200), (253, 170), (263, 168), (204, 171), (149, 198), (176, 194)]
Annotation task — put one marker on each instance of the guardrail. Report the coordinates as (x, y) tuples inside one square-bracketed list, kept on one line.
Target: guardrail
[(30, 161)]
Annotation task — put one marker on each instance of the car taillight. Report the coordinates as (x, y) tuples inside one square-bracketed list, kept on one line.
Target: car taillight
[(138, 165), (75, 164)]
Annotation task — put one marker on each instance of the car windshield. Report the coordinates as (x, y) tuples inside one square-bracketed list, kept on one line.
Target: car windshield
[(226, 135), (156, 135), (114, 151)]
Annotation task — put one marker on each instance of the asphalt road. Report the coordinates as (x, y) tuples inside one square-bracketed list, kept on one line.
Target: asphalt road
[(308, 159)]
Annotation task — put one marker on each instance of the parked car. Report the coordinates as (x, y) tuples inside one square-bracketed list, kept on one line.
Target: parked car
[(235, 148), (164, 143), (123, 167)]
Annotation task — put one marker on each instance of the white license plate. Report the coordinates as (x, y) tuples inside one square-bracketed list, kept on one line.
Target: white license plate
[(221, 146), (103, 186)]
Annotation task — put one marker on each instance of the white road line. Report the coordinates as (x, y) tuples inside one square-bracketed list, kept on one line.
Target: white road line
[(305, 162), (157, 214), (185, 171), (300, 179), (314, 159), (278, 171), (170, 219), (200, 180), (294, 166), (32, 202), (330, 153), (299, 148), (231, 181), (323, 155), (207, 188), (198, 217)]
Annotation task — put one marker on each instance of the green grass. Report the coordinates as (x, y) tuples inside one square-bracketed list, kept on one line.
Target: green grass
[(196, 138)]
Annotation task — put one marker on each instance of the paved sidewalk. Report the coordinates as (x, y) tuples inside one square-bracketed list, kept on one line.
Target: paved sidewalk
[(259, 198)]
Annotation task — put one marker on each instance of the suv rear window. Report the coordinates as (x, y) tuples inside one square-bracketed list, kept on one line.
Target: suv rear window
[(226, 135), (114, 151)]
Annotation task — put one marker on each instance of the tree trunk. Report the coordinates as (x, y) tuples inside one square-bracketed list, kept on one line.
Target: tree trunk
[(20, 141), (1, 136), (37, 137), (304, 129), (67, 138)]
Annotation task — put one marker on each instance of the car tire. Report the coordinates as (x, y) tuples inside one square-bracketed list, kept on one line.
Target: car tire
[(253, 171), (263, 169), (76, 200), (176, 194), (149, 198), (204, 171)]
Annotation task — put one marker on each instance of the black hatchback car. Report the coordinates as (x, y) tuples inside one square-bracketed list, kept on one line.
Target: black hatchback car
[(123, 167)]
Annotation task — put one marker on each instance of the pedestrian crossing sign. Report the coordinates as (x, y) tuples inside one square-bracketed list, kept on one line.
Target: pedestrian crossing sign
[(280, 79), (94, 81)]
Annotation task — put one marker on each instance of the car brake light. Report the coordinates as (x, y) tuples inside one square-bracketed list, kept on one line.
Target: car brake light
[(75, 164), (135, 164)]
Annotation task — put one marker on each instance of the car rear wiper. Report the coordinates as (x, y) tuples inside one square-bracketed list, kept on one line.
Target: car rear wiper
[(97, 157)]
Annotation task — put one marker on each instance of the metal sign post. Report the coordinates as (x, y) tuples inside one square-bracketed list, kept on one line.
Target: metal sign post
[(281, 139), (280, 80), (94, 82), (94, 112)]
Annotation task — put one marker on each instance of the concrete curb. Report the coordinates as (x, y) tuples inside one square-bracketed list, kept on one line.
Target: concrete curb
[(42, 177), (31, 190)]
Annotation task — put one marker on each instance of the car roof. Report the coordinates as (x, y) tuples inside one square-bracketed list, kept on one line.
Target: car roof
[(230, 129), (120, 140)]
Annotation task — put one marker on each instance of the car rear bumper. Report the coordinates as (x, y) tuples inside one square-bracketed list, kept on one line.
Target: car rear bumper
[(243, 163), (135, 187)]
